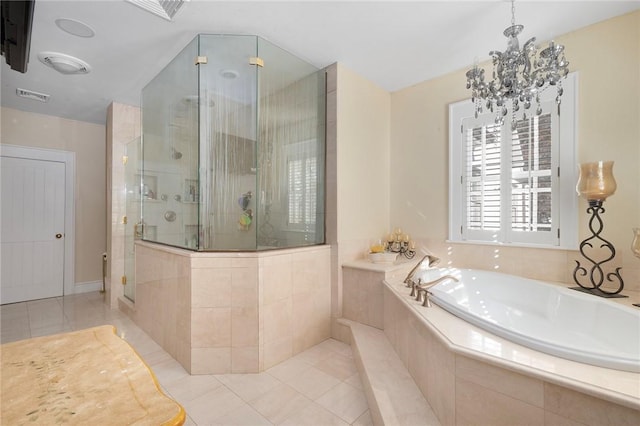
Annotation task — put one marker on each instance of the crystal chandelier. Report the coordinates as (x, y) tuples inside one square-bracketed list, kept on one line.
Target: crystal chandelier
[(518, 76)]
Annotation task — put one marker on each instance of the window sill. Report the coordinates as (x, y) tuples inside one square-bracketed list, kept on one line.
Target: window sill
[(515, 245)]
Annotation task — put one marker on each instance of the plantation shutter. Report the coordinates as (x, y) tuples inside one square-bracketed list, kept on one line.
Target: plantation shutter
[(302, 192), (531, 168), (508, 179), (483, 177), (296, 194)]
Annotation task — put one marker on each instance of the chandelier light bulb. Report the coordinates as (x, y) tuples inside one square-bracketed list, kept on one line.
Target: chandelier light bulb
[(518, 77)]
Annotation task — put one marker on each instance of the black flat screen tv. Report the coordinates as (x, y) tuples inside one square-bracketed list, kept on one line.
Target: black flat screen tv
[(16, 20)]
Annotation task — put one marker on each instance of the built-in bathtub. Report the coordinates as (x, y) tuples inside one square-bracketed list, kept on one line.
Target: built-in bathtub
[(462, 368), (542, 316)]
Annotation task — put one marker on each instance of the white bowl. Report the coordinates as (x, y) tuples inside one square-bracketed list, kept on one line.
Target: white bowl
[(385, 257)]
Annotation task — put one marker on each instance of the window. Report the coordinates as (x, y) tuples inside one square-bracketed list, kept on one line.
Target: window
[(302, 186), (514, 185)]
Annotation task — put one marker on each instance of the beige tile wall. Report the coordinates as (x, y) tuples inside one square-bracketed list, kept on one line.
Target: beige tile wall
[(362, 296), (162, 299), (233, 313), (576, 407), (541, 264), (123, 126), (465, 391), (362, 289), (224, 315), (295, 303)]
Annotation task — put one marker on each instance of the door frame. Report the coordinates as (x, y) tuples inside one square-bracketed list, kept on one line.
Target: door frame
[(69, 159)]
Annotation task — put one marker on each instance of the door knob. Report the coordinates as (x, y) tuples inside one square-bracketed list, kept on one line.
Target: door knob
[(58, 236)]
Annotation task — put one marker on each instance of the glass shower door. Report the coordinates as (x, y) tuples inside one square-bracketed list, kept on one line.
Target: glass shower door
[(134, 226)]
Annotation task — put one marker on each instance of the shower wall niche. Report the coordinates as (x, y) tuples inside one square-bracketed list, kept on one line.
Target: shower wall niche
[(233, 148)]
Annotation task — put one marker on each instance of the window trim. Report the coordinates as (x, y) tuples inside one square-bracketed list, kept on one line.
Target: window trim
[(567, 162)]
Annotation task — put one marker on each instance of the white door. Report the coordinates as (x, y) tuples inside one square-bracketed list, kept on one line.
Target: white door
[(32, 230)]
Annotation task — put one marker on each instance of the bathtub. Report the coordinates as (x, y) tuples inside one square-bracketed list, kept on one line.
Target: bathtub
[(542, 316)]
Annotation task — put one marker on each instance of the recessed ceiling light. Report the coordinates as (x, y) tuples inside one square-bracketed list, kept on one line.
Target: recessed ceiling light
[(229, 74), (64, 64), (75, 28), (165, 9)]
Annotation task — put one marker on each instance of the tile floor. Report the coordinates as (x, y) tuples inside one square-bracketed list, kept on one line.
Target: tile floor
[(320, 386)]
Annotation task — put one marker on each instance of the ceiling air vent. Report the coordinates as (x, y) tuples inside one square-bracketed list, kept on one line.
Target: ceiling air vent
[(165, 9), (29, 94), (64, 64)]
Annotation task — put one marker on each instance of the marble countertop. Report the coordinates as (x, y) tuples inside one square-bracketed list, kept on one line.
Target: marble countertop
[(381, 267)]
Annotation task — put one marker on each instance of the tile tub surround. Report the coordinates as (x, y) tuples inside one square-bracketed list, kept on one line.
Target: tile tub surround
[(232, 312), (462, 370), (362, 288), (392, 394)]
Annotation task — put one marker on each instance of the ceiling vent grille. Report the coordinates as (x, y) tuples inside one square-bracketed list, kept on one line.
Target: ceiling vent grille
[(165, 9), (29, 94), (64, 64)]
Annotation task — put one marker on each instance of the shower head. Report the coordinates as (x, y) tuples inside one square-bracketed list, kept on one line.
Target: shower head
[(176, 155)]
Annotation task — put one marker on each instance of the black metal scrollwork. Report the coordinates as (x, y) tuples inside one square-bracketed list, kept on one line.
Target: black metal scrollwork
[(596, 274)]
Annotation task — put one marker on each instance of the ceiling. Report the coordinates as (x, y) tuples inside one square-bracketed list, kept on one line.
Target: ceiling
[(393, 44)]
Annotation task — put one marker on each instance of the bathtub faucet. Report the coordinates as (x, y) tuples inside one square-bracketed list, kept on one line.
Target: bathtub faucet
[(422, 290), (431, 261)]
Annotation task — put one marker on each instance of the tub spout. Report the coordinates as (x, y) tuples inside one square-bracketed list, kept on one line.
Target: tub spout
[(431, 261), (436, 281), (423, 289)]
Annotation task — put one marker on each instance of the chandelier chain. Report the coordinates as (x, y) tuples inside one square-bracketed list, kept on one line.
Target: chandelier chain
[(513, 12)]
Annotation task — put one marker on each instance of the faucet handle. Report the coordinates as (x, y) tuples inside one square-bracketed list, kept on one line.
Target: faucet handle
[(427, 302), (415, 286)]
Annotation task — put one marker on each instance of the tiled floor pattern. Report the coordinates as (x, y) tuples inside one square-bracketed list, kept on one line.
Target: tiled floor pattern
[(318, 387)]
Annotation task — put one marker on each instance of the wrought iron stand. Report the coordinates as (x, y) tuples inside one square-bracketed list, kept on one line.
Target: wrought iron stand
[(596, 274)]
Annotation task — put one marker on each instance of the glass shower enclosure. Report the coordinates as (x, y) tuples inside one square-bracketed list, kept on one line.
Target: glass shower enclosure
[(233, 148)]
